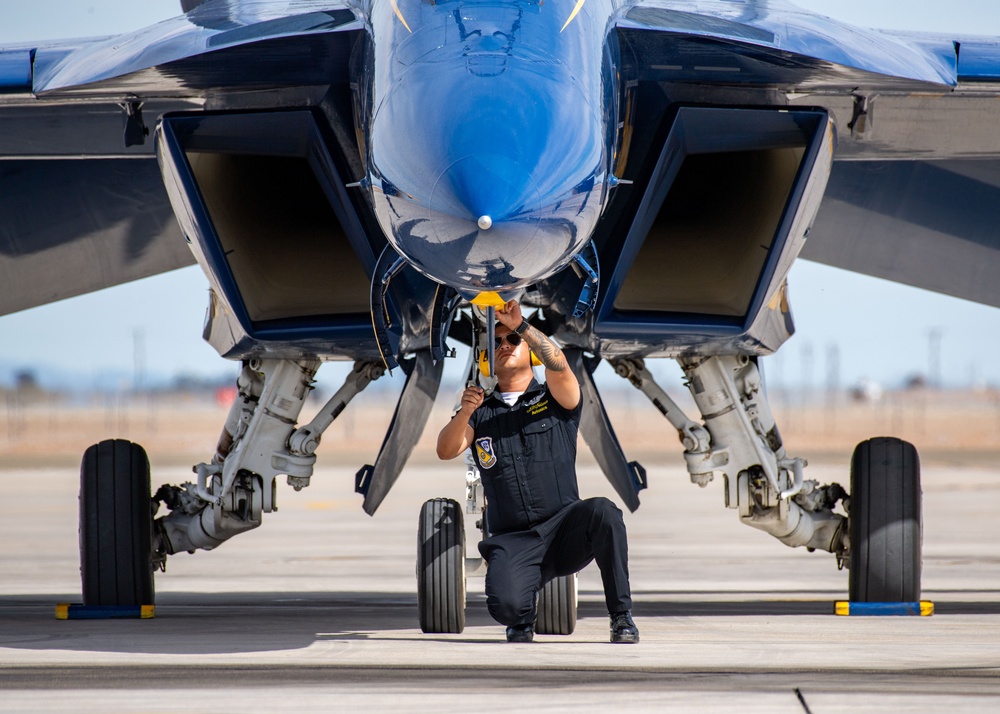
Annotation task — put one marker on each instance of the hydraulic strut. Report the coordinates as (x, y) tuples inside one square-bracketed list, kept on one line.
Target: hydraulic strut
[(740, 440)]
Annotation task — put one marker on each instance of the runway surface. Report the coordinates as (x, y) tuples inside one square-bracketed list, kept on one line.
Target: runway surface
[(316, 611)]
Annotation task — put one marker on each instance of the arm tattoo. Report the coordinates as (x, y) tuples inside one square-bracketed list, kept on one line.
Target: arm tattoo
[(545, 349)]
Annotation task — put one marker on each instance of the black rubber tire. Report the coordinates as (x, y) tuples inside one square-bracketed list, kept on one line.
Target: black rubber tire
[(116, 521), (885, 522), (441, 566), (557, 606)]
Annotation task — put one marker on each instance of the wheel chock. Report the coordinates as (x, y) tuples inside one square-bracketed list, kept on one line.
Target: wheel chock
[(76, 611), (923, 608)]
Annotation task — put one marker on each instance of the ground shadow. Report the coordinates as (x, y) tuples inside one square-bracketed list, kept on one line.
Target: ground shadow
[(235, 623), (217, 623)]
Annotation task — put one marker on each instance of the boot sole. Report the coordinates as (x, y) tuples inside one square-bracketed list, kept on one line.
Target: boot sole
[(625, 639)]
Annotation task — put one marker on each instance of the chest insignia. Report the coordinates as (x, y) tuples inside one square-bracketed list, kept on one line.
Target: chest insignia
[(484, 448), (538, 407), (534, 400)]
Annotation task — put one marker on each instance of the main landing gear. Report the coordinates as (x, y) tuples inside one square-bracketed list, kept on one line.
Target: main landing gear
[(885, 523), (122, 542), (879, 535)]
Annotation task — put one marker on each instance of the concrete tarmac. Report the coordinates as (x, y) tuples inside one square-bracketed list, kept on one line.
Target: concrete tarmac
[(316, 611)]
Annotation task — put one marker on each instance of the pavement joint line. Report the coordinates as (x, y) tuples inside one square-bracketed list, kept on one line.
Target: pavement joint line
[(802, 700), (985, 672)]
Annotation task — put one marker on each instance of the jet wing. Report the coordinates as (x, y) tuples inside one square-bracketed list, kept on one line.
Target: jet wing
[(914, 198), (917, 169), (82, 201)]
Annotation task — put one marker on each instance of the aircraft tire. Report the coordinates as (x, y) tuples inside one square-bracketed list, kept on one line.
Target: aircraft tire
[(885, 522), (441, 566), (116, 522), (557, 606)]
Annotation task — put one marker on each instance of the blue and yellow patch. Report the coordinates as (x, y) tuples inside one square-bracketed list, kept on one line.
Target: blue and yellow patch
[(484, 448)]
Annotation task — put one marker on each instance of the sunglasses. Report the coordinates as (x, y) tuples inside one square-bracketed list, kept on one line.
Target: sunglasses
[(512, 338)]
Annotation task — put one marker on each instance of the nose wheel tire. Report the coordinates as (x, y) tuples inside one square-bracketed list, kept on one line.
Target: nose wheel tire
[(441, 566), (557, 606), (885, 522), (116, 521)]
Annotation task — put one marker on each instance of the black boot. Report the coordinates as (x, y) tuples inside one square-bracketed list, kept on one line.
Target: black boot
[(520, 633), (622, 628)]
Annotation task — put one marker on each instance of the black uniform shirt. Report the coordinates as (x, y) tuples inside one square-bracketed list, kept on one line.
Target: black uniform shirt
[(527, 457)]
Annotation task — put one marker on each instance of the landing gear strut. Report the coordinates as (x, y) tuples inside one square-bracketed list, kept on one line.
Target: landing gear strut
[(120, 543), (881, 537)]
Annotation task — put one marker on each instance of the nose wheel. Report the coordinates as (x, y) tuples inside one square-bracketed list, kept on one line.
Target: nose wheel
[(441, 577), (441, 566), (557, 606)]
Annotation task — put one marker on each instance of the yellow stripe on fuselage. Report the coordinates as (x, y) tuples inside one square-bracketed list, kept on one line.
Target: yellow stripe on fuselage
[(395, 7), (576, 9)]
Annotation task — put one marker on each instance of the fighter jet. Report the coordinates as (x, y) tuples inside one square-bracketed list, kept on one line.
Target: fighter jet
[(369, 180)]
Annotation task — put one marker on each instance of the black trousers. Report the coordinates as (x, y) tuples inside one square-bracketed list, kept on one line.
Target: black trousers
[(520, 563)]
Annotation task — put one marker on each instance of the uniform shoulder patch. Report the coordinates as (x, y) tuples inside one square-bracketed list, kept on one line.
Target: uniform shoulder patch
[(484, 448)]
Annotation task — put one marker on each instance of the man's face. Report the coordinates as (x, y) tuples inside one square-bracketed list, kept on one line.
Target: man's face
[(507, 355)]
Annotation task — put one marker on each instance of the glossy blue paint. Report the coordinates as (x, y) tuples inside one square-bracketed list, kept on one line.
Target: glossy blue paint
[(210, 28), (798, 39), (15, 70), (979, 61), (490, 109), (793, 40)]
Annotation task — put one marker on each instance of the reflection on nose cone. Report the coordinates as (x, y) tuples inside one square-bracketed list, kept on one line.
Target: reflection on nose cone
[(483, 226), (490, 185), (507, 247), (485, 184)]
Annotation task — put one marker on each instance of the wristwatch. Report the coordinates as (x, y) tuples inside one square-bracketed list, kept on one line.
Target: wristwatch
[(522, 328)]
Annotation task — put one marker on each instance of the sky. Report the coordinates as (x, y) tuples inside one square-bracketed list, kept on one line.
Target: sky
[(152, 328)]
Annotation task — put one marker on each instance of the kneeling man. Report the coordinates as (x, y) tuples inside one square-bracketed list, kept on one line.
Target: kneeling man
[(524, 439)]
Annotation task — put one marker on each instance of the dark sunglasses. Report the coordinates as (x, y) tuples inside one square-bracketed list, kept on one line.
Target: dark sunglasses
[(513, 339)]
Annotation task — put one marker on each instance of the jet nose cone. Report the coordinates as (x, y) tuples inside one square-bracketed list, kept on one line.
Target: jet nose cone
[(484, 225), (485, 184), (479, 226)]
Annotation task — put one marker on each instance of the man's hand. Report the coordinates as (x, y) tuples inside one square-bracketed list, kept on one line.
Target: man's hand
[(510, 315), (560, 378), (472, 398), (457, 435)]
